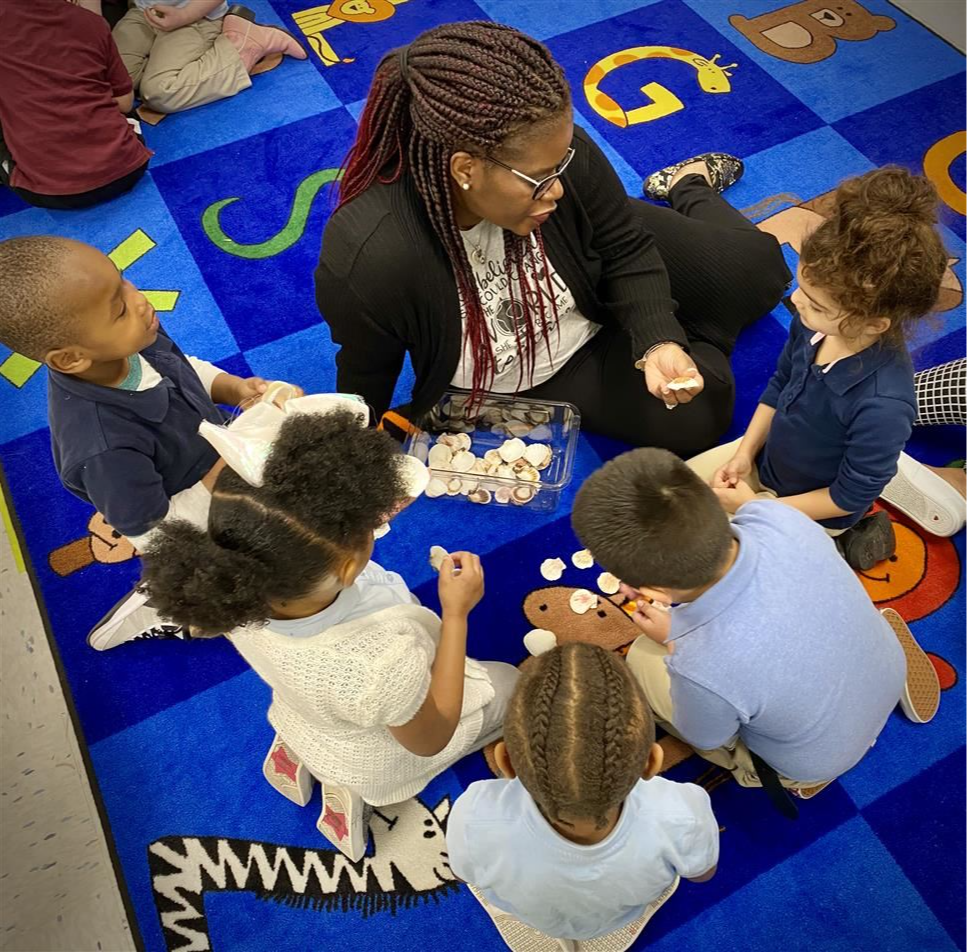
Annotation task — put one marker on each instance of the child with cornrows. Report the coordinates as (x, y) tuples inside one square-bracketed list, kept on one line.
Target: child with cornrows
[(834, 418), (372, 694), (581, 843)]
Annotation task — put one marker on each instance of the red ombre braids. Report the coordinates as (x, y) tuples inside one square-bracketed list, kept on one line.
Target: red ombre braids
[(467, 87)]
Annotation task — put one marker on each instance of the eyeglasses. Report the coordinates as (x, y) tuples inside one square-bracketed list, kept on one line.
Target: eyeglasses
[(540, 185)]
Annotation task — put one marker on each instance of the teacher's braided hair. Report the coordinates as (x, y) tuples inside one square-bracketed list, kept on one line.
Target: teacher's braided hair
[(578, 732), (461, 87)]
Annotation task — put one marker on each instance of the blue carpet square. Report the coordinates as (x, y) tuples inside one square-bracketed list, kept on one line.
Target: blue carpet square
[(346, 50), (531, 16), (848, 895), (757, 112), (260, 249), (904, 130), (853, 78), (921, 843)]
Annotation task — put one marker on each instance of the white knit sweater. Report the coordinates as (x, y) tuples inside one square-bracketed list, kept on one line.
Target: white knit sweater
[(335, 694)]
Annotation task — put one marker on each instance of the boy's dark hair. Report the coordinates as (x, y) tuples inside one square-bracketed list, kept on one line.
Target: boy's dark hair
[(651, 521), (578, 731), (33, 321), (879, 254), (327, 484)]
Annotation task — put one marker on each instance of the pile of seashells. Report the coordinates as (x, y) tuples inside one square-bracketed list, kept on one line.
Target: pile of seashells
[(454, 416), (513, 459)]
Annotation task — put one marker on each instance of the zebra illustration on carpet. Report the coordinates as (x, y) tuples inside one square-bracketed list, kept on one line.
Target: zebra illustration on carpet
[(408, 864)]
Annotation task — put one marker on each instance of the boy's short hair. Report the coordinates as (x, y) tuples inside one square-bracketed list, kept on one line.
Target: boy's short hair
[(651, 521), (33, 319)]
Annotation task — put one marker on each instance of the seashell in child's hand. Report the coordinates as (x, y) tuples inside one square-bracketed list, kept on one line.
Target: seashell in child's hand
[(437, 555)]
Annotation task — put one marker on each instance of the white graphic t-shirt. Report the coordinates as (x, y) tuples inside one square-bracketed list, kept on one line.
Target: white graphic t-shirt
[(485, 251)]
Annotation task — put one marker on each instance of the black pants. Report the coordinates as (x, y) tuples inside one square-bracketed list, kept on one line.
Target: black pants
[(95, 196), (725, 274)]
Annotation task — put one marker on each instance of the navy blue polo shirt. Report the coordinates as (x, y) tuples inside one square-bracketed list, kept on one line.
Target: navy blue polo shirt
[(128, 452), (843, 429)]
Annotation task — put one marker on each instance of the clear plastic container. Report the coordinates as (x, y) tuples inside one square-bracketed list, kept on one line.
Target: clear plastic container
[(499, 418)]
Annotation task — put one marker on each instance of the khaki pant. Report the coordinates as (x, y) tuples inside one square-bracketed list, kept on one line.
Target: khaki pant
[(188, 67), (646, 658)]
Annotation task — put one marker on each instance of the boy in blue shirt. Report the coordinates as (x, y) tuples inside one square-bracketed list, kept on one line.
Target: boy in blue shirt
[(833, 421), (582, 840), (769, 629), (124, 403)]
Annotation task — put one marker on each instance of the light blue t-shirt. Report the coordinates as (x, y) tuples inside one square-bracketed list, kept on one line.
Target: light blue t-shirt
[(373, 590), (787, 651), (216, 14), (498, 841)]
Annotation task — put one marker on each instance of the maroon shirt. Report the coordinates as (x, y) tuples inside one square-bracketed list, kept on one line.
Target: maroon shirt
[(59, 74)]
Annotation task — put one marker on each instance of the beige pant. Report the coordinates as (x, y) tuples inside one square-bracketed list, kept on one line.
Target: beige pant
[(188, 67), (646, 658)]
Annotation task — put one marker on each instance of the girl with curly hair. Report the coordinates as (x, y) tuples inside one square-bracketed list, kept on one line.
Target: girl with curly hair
[(833, 420), (581, 841), (372, 694)]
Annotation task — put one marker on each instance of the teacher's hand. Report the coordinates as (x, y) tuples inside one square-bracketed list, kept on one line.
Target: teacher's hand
[(663, 365)]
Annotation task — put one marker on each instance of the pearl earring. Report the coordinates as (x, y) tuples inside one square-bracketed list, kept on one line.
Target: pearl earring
[(465, 186)]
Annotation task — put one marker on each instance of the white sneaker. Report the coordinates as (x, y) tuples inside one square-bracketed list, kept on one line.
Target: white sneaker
[(344, 820), (131, 619), (921, 692), (928, 499), (284, 771), (517, 935)]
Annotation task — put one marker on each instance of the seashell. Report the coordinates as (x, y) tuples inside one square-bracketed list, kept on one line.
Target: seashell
[(608, 583), (685, 382), (521, 495), (528, 474), (450, 440), (542, 433), (517, 428), (582, 559), (503, 494), (512, 450), (539, 640), (439, 456), (538, 455), (582, 601), (467, 486), (552, 569), (462, 461), (454, 486), (480, 467), (492, 458), (539, 417), (437, 555), (506, 471), (481, 496), (435, 487)]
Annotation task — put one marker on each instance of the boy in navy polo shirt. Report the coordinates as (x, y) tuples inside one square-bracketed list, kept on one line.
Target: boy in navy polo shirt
[(124, 403), (840, 407), (773, 654)]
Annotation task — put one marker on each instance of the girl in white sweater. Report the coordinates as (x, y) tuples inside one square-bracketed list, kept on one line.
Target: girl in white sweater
[(372, 694)]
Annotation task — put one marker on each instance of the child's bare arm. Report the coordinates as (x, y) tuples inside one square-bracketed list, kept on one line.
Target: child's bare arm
[(705, 877), (430, 730), (755, 437), (817, 504)]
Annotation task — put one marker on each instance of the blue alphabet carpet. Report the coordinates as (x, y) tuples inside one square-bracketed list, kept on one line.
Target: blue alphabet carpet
[(223, 234)]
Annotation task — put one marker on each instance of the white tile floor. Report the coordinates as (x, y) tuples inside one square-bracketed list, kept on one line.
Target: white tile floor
[(58, 890)]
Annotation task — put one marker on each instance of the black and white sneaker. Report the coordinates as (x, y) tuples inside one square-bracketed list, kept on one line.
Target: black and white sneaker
[(131, 619), (723, 169)]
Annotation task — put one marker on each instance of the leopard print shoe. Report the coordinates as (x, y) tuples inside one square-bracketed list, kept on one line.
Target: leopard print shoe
[(724, 170)]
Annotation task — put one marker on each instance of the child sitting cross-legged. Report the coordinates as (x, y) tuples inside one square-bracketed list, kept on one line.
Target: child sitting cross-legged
[(834, 418), (372, 694), (773, 659), (581, 843), (124, 403)]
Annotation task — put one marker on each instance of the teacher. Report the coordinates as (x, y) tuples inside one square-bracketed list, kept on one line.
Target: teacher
[(484, 234)]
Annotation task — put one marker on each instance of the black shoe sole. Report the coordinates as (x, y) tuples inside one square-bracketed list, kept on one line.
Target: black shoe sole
[(871, 540)]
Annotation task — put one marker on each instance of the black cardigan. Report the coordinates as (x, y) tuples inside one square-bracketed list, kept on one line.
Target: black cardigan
[(385, 285)]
